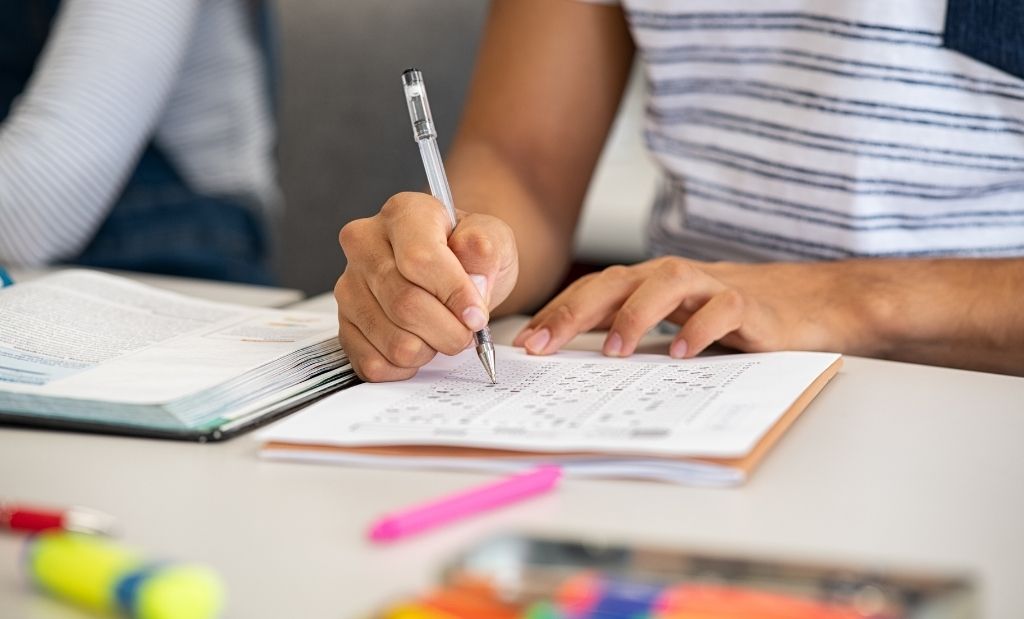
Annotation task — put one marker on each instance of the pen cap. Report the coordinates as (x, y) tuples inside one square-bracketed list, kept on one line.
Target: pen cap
[(101, 576), (419, 106)]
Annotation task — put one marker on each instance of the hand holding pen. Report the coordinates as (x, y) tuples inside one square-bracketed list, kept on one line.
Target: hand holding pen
[(410, 290), (426, 136)]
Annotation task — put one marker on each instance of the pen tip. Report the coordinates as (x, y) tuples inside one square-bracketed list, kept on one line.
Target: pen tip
[(486, 354)]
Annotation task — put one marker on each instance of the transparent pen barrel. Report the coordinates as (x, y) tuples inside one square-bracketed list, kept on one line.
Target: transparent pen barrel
[(436, 177)]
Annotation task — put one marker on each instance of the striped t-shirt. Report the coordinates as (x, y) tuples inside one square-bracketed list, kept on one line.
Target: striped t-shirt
[(828, 129)]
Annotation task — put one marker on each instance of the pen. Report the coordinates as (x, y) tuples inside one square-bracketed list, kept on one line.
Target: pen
[(36, 520), (426, 137), (467, 503)]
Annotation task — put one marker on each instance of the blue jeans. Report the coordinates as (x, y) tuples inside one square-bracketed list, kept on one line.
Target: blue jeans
[(161, 226)]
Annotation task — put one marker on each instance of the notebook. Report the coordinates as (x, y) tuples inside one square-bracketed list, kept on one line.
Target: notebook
[(85, 350), (704, 421)]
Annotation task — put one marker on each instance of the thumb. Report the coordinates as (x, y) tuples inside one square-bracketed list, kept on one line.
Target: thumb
[(483, 286), (486, 248)]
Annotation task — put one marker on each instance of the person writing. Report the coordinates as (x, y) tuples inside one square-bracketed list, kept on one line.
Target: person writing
[(837, 178)]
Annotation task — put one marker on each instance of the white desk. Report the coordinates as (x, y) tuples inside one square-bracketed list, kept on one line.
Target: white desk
[(893, 463)]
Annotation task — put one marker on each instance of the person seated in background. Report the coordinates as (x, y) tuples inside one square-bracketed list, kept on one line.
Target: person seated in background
[(136, 134), (843, 176)]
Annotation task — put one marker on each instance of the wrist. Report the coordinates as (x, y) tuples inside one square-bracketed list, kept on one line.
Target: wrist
[(845, 306), (872, 314)]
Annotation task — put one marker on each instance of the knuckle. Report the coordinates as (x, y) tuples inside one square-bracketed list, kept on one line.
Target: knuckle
[(479, 246), (373, 369), (345, 287), (414, 260), (629, 319), (617, 271), (565, 314), (397, 204), (457, 298), (734, 300), (405, 305), (675, 269), (351, 233), (405, 351)]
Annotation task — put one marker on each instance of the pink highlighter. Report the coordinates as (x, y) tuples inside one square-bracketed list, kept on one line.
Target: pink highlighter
[(421, 517)]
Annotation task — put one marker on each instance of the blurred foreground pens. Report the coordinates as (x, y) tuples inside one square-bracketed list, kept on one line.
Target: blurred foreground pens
[(26, 519)]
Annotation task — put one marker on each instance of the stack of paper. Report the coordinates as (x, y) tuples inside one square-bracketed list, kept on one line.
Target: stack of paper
[(87, 350), (705, 421)]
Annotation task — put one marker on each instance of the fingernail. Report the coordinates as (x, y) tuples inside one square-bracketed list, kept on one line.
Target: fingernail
[(480, 281), (473, 317), (613, 345), (523, 335), (536, 342), (678, 349)]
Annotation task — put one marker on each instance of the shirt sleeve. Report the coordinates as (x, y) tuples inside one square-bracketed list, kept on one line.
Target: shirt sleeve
[(75, 135)]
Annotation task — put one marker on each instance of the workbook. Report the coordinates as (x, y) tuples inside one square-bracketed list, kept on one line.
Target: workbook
[(91, 351), (702, 421)]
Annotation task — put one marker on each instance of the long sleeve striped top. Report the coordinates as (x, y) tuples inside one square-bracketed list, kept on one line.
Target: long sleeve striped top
[(114, 75)]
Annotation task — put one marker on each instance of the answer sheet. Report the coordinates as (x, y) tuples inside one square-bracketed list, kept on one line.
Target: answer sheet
[(572, 401)]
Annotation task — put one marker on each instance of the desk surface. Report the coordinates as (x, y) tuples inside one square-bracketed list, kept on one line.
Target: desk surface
[(892, 464)]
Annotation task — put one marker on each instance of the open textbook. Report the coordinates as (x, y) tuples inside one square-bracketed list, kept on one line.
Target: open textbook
[(87, 350), (705, 421)]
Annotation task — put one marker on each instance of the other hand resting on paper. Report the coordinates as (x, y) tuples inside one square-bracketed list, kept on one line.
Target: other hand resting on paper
[(903, 309), (751, 307)]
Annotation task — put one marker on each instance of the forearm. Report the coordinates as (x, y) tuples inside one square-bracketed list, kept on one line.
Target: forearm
[(548, 81), (485, 182), (955, 312)]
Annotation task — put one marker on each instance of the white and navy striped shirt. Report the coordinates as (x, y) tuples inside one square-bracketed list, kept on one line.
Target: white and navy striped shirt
[(114, 75), (827, 129)]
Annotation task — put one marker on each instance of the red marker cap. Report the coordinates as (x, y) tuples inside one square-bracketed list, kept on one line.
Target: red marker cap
[(35, 520)]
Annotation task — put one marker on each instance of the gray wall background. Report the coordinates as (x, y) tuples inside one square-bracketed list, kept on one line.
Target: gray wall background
[(345, 140)]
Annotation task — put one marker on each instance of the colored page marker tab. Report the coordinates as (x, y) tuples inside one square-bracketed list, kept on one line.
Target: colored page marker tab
[(474, 501)]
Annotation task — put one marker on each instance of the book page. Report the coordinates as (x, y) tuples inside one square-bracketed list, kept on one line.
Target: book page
[(73, 321), (644, 405), (87, 335)]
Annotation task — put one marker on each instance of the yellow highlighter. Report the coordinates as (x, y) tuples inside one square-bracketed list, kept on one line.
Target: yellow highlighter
[(101, 576)]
